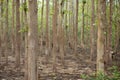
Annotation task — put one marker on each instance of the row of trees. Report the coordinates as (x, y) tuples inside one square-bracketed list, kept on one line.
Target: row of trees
[(34, 27)]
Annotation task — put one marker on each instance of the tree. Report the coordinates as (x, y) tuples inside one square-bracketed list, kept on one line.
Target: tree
[(42, 35), (83, 23), (26, 38), (100, 39), (32, 39), (61, 30), (54, 30), (76, 26), (17, 42), (0, 27), (47, 28), (92, 30), (6, 33), (13, 27)]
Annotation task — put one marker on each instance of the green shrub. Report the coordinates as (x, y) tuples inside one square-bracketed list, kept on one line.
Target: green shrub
[(115, 75)]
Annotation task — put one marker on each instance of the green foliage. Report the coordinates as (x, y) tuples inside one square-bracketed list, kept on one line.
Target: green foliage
[(83, 76), (65, 12), (51, 12), (24, 7), (115, 75), (84, 1), (23, 29)]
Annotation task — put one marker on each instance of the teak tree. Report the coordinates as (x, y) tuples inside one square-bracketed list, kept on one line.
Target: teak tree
[(92, 30), (32, 39), (17, 40), (54, 30), (83, 23), (101, 36)]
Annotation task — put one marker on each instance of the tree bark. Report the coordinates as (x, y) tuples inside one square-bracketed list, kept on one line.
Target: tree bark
[(26, 40), (42, 35), (76, 27), (13, 27), (54, 28), (47, 29), (32, 39), (83, 23), (92, 31), (17, 50), (101, 37)]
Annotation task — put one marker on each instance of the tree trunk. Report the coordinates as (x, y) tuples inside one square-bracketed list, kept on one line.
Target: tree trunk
[(0, 29), (32, 40), (101, 37), (47, 30), (92, 31), (109, 32), (17, 33), (13, 27), (42, 35), (83, 23), (26, 40), (6, 33), (61, 30), (76, 27), (54, 28)]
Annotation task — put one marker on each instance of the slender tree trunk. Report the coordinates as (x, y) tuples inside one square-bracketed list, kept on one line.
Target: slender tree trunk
[(101, 37), (47, 29), (6, 34), (109, 33), (42, 35), (54, 34), (71, 23), (17, 33), (61, 30), (32, 40), (26, 39), (92, 31), (13, 27), (22, 33), (110, 26), (76, 26), (0, 29), (117, 34), (83, 23)]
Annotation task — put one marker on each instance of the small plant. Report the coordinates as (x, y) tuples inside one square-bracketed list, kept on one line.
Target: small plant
[(115, 73), (83, 76), (101, 76)]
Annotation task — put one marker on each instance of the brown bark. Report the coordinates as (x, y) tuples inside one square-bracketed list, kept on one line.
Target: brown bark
[(17, 50), (54, 28), (42, 35), (101, 37), (26, 40), (109, 33), (92, 32), (13, 27), (0, 30), (76, 27), (6, 33), (47, 28), (32, 39), (117, 29), (61, 31), (82, 28)]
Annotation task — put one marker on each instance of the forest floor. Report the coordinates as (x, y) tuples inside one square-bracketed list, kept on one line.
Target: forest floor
[(72, 70)]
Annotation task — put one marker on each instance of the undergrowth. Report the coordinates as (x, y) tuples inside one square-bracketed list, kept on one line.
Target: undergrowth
[(115, 75)]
